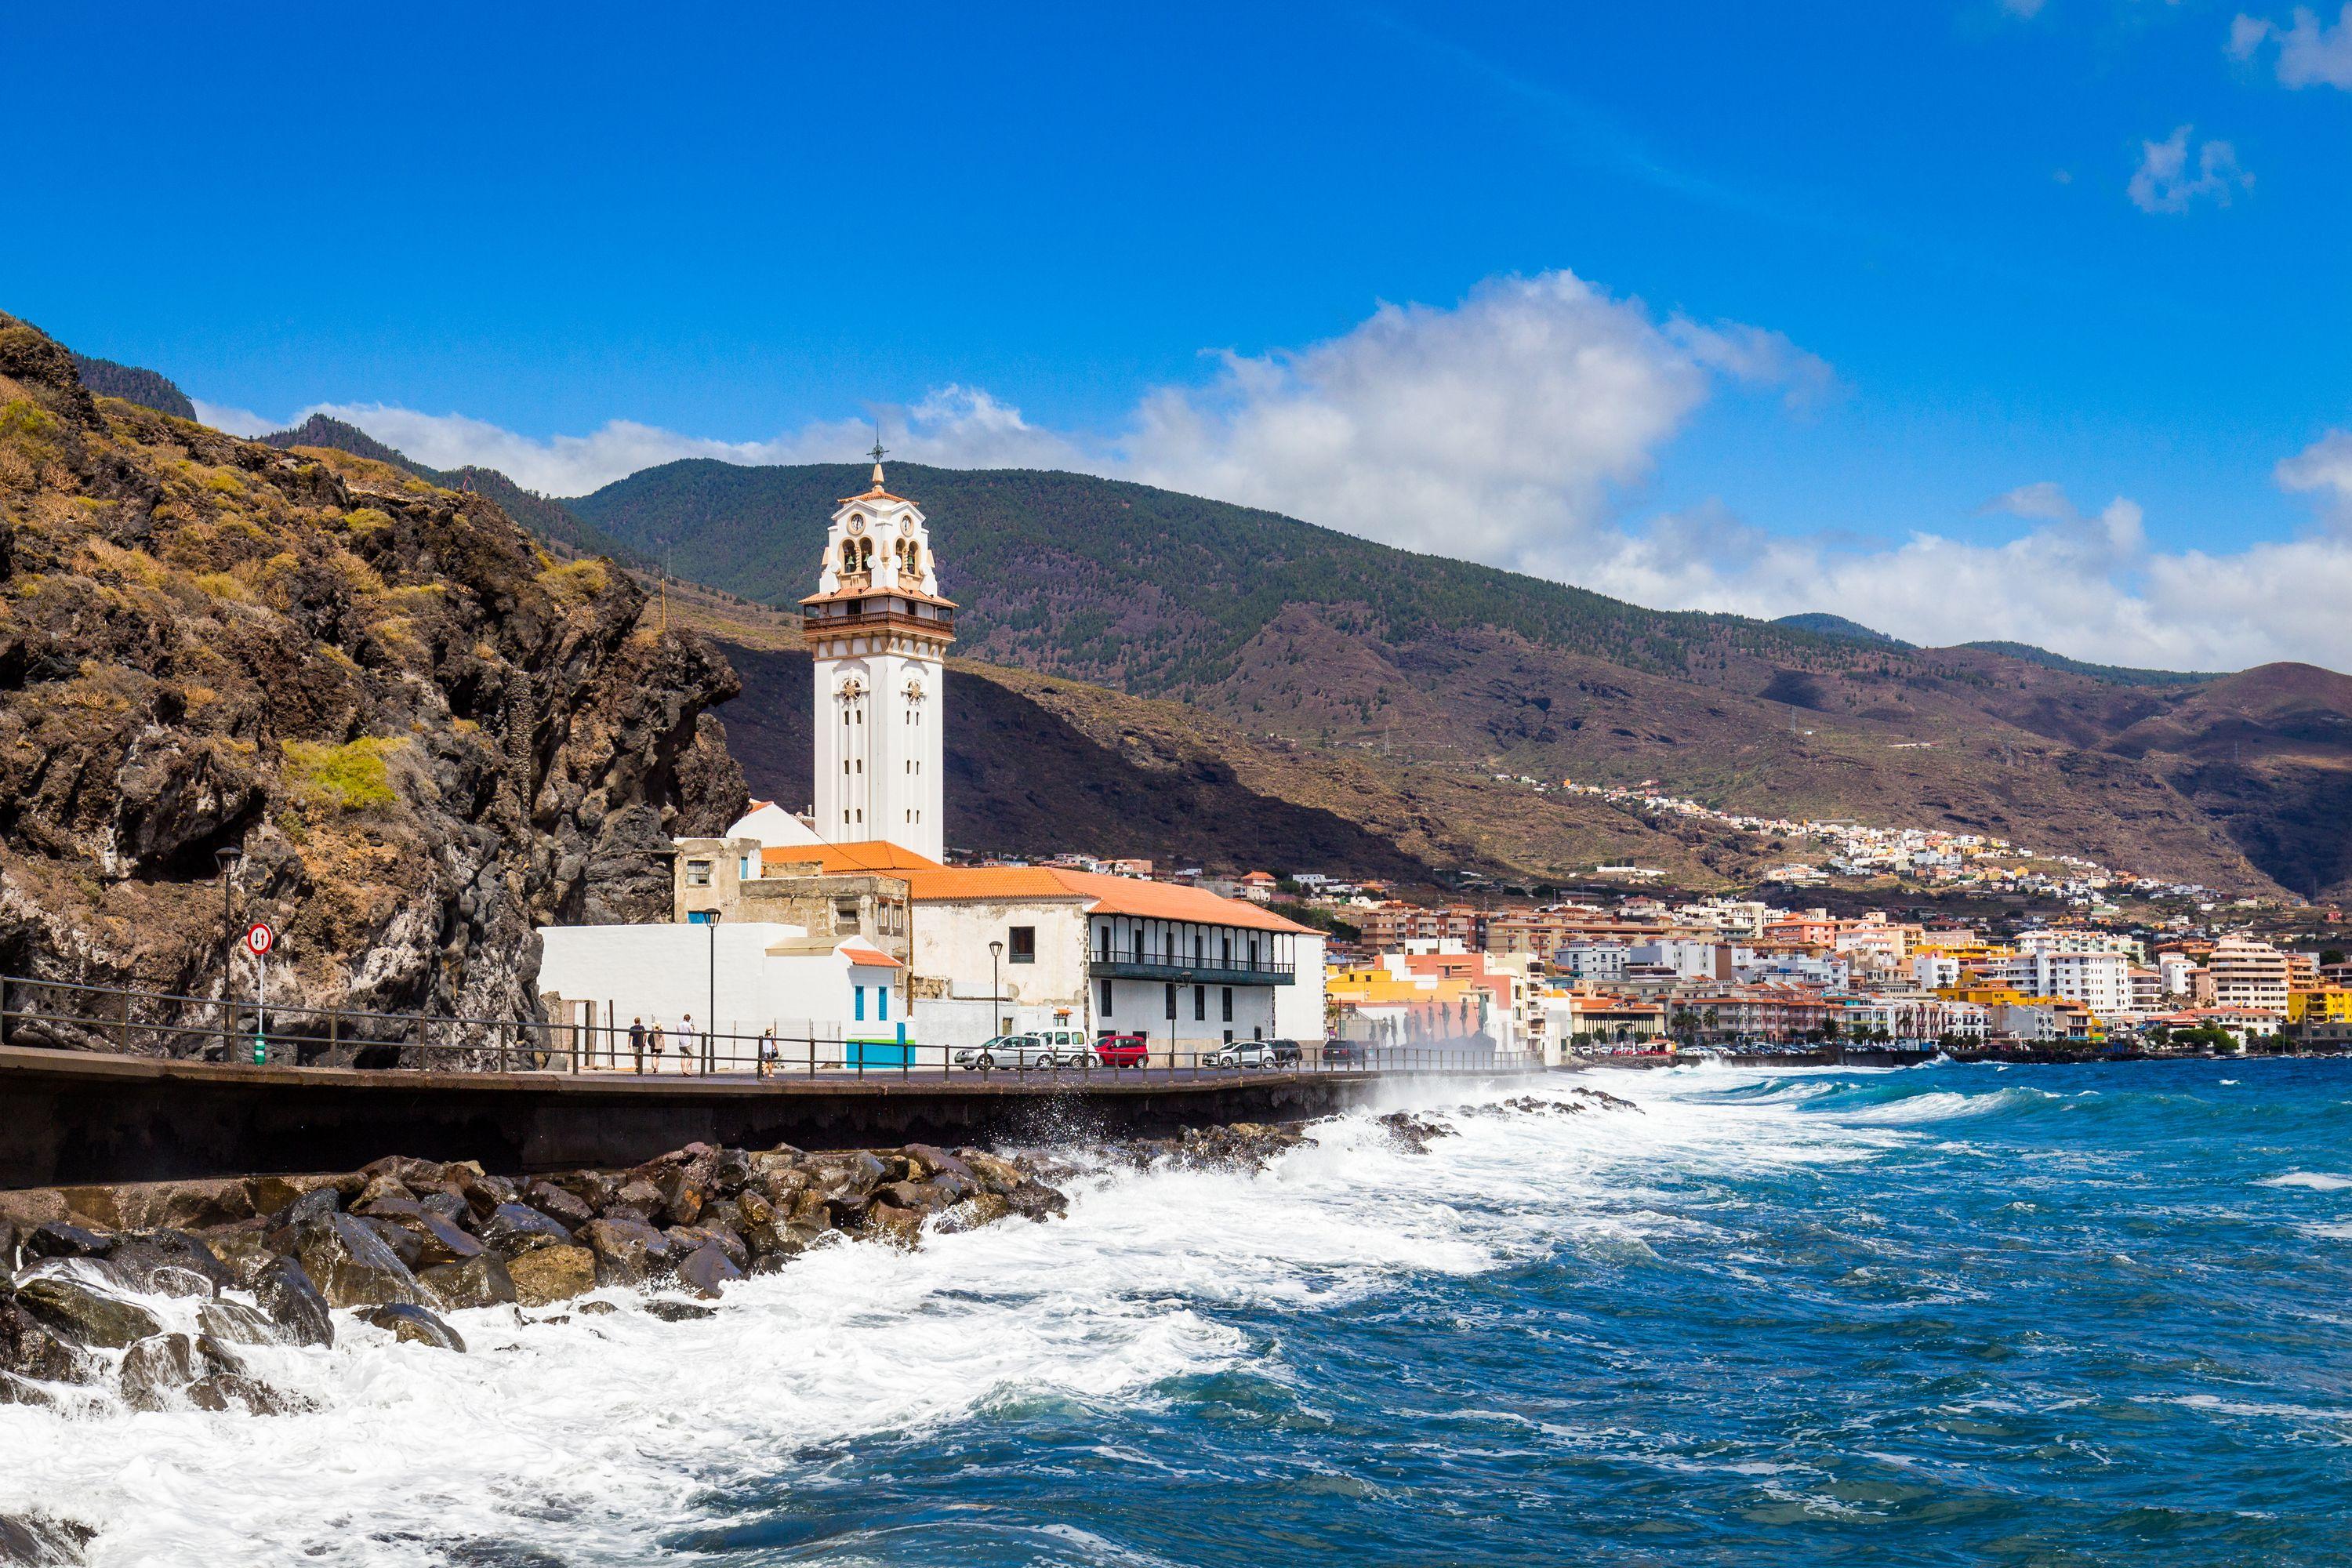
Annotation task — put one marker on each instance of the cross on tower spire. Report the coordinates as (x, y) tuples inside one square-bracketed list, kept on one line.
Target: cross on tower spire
[(877, 453)]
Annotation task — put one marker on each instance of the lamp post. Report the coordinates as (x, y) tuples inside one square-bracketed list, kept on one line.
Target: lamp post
[(995, 956), (710, 1009), (228, 857)]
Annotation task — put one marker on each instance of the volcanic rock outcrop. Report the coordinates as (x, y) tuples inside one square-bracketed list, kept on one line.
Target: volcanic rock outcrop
[(424, 736)]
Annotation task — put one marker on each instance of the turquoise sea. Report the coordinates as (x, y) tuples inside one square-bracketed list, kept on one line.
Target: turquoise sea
[(1953, 1314)]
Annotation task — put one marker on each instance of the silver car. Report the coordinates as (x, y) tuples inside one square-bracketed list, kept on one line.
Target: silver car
[(1241, 1054), (1020, 1052)]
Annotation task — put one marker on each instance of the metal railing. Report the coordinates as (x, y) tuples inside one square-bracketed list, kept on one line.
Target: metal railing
[(118, 1020)]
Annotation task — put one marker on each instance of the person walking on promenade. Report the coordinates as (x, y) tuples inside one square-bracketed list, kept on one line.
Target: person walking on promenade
[(767, 1051), (655, 1042), (689, 1047), (638, 1042)]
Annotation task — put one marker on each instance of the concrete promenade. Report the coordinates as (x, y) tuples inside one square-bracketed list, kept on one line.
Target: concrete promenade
[(74, 1117)]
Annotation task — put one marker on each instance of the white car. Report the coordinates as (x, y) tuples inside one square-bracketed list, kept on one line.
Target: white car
[(1053, 1048), (1240, 1053)]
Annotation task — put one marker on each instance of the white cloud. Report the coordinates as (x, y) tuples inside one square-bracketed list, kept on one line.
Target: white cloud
[(1515, 429), (2163, 183), (2310, 52), (2324, 467), (1487, 429), (235, 421)]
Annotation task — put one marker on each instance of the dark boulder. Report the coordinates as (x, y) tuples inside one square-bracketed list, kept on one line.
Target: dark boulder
[(77, 1312), (706, 1270), (36, 1541), (414, 1324), (438, 1238), (169, 1263), (244, 1251), (981, 1209), (845, 1181), (311, 1208), (733, 1172), (451, 1207), (479, 1281), (565, 1208), (1035, 1200), (156, 1368), (678, 1311), (404, 1242), (685, 1240), (636, 1198), (60, 1239), (295, 1303), (231, 1322), (515, 1229), (997, 1174), (27, 1349), (226, 1391), (351, 1265), (14, 1390), (628, 1251), (931, 1160)]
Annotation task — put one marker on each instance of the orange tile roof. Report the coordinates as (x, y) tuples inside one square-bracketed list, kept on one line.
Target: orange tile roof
[(867, 854), (1107, 894), (868, 958)]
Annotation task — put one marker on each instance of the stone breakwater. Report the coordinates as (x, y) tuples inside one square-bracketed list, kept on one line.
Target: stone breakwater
[(149, 1297)]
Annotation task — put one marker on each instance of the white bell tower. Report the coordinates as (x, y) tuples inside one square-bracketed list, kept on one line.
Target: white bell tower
[(877, 630)]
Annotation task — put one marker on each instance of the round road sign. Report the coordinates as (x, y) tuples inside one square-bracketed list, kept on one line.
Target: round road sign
[(259, 939)]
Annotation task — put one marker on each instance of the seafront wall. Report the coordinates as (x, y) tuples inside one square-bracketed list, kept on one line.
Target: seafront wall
[(73, 1117)]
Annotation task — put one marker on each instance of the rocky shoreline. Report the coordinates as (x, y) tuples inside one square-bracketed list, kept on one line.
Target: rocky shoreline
[(292, 1260)]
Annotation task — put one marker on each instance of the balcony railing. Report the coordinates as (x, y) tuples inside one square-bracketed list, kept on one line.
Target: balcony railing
[(1200, 971)]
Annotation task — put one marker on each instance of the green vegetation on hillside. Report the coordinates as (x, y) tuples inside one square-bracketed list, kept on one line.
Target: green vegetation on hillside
[(1155, 591), (2112, 674), (1831, 626), (147, 388)]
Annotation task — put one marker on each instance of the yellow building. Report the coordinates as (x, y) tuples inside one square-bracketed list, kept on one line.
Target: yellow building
[(2332, 1005)]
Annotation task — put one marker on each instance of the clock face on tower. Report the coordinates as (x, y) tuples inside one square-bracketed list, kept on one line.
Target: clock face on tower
[(857, 525)]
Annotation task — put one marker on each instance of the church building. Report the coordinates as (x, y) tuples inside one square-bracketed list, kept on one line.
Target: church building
[(878, 631)]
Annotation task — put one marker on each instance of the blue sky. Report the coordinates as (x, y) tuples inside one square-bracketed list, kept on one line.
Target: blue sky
[(1850, 272)]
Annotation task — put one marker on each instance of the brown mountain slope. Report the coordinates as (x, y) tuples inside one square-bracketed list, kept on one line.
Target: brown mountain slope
[(1921, 741)]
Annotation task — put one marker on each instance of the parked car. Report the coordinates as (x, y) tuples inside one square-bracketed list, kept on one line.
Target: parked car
[(1287, 1053), (1015, 1051), (1066, 1048), (1123, 1050), (1240, 1053), (1343, 1053)]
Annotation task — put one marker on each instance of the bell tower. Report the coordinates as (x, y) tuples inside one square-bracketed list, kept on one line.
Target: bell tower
[(878, 630)]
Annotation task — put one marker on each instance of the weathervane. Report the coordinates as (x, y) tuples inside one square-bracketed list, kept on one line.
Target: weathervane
[(880, 451)]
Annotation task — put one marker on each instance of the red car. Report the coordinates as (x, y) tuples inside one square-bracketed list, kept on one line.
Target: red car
[(1123, 1050)]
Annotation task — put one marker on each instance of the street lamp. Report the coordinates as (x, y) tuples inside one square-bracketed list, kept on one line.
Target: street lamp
[(996, 954), (710, 1009), (227, 857)]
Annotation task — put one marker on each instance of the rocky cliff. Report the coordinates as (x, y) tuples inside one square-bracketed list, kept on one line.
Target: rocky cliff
[(425, 737)]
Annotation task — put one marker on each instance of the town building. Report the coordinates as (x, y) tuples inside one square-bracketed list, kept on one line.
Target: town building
[(2248, 975), (2100, 981)]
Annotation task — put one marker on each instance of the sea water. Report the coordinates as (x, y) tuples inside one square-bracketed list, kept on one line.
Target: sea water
[(1956, 1314)]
